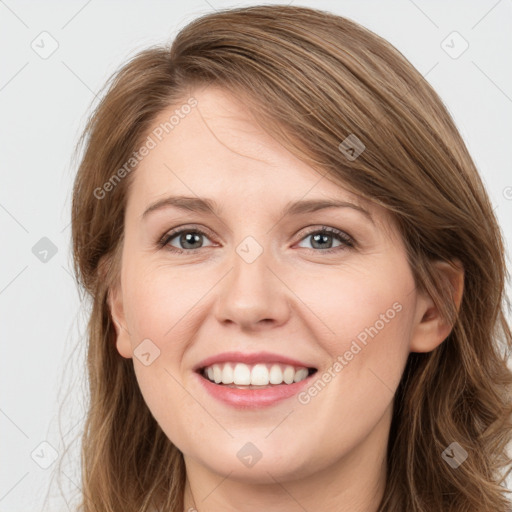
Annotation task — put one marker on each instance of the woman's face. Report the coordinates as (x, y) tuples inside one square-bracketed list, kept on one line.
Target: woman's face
[(257, 286)]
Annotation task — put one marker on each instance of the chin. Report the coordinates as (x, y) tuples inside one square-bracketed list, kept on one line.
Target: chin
[(266, 464)]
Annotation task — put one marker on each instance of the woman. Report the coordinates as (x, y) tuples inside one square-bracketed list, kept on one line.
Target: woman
[(334, 338)]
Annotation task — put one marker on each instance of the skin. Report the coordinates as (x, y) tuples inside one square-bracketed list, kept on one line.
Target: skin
[(294, 299)]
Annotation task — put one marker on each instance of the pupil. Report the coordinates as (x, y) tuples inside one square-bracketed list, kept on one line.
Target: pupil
[(189, 239), (194, 238), (321, 237)]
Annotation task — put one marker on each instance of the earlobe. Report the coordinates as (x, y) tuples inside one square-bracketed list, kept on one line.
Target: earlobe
[(115, 304), (431, 328)]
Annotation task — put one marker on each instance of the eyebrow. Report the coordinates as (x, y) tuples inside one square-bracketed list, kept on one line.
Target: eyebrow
[(209, 206)]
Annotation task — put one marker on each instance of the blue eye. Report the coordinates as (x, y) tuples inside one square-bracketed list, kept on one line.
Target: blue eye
[(186, 238), (191, 239), (322, 238)]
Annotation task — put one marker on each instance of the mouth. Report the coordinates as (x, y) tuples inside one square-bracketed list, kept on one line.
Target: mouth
[(259, 376), (253, 380)]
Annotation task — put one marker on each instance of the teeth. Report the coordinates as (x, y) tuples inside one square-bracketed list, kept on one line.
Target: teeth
[(259, 375), (300, 375), (217, 373), (288, 374), (276, 374), (240, 374), (227, 374)]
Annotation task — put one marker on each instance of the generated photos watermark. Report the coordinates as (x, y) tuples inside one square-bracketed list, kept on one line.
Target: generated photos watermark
[(341, 361), (151, 142)]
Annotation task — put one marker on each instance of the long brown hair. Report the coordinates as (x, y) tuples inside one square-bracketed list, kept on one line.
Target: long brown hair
[(312, 79)]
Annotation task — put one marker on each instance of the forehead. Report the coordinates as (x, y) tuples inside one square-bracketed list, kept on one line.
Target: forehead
[(218, 150)]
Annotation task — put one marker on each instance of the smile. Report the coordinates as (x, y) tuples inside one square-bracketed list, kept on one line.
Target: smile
[(252, 381), (255, 376)]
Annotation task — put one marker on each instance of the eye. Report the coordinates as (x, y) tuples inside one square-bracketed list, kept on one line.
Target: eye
[(322, 239), (188, 240), (192, 239)]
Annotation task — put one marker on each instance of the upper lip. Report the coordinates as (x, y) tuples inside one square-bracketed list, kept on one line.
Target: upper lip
[(255, 357)]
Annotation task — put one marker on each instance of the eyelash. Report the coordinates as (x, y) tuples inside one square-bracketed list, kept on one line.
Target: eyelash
[(347, 241)]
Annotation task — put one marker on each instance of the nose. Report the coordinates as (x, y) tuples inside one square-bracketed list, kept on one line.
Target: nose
[(253, 295)]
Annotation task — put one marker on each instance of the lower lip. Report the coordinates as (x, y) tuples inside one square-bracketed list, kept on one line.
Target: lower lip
[(252, 398)]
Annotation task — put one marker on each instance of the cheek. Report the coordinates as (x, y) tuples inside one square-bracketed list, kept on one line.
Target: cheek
[(355, 391), (173, 408), (348, 302), (160, 302), (364, 319), (160, 307)]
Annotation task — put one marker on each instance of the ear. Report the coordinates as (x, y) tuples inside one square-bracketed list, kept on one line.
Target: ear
[(115, 304), (431, 329)]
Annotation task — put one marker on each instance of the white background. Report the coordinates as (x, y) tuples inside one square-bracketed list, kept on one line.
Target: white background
[(44, 104)]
